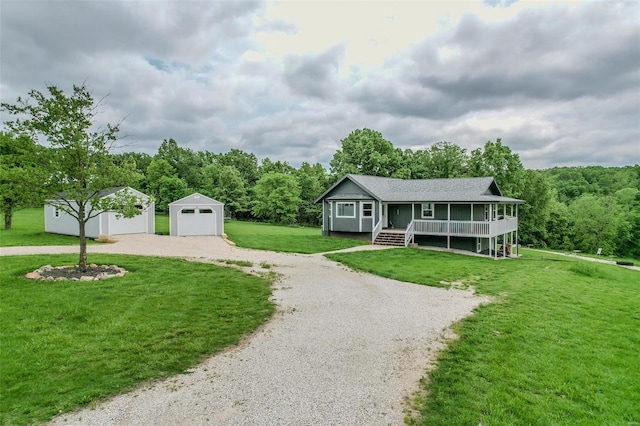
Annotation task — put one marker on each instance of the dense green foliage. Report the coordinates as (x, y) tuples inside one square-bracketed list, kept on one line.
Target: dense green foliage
[(568, 208), (558, 344), (67, 344), (21, 174)]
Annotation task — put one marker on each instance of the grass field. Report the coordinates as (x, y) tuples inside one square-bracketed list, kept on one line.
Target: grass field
[(28, 230), (559, 345), (67, 344), (295, 239)]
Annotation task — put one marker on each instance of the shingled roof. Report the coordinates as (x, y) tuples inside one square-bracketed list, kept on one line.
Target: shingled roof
[(481, 189)]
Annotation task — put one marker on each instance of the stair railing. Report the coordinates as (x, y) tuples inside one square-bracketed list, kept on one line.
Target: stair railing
[(376, 231), (409, 233)]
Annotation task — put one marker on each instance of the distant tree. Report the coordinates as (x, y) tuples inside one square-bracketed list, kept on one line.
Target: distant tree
[(170, 189), (597, 223), (268, 166), (22, 175), (246, 163), (367, 152), (312, 181), (183, 160), (497, 160), (277, 196), (157, 169), (80, 165), (141, 161), (558, 226), (447, 160), (225, 184), (535, 213)]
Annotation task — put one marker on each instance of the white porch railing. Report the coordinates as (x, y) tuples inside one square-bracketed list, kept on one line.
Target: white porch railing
[(376, 230), (408, 234), (464, 228)]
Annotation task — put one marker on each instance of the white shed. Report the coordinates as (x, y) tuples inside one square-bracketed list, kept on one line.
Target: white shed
[(196, 214), (57, 221)]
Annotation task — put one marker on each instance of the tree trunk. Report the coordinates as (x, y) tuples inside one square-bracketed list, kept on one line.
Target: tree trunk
[(8, 213), (82, 261)]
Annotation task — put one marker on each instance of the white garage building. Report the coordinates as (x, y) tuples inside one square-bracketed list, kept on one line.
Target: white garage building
[(196, 214), (57, 221)]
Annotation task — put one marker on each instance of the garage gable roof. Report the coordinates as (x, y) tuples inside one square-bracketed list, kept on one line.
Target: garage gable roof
[(196, 199)]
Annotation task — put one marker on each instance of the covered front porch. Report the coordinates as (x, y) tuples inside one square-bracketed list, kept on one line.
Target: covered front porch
[(491, 229)]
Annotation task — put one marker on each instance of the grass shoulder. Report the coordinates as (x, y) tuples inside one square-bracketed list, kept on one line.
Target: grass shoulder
[(293, 239), (558, 346), (67, 344)]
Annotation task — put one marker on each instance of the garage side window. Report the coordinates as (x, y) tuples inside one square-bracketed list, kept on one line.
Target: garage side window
[(205, 211), (56, 212), (188, 211), (346, 210)]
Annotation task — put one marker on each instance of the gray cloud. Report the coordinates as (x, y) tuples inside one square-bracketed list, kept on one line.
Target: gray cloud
[(559, 84), (314, 75)]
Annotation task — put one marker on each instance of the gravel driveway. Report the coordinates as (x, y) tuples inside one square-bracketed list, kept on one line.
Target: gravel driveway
[(343, 347)]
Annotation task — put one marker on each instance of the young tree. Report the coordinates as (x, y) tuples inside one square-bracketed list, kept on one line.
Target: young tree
[(277, 196), (21, 174), (80, 165)]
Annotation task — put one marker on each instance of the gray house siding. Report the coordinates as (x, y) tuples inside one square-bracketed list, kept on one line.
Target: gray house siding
[(400, 215), (461, 212), (478, 212), (352, 224)]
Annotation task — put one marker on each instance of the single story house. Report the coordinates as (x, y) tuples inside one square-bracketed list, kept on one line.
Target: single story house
[(463, 213), (57, 221), (196, 214)]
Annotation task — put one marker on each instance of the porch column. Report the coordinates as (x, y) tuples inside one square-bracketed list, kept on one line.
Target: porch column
[(504, 246), (518, 226), (324, 216), (448, 225), (332, 212)]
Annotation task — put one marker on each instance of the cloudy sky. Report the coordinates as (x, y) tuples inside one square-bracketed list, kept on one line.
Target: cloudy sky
[(558, 82)]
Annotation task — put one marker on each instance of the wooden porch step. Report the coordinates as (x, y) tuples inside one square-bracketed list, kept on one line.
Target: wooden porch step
[(390, 239)]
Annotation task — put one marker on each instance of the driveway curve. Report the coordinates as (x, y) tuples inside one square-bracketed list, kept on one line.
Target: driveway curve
[(343, 347)]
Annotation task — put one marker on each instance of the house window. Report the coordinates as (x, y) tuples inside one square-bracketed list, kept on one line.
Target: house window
[(56, 212), (346, 210), (486, 213), (188, 211), (495, 211), (367, 209), (205, 211), (427, 210)]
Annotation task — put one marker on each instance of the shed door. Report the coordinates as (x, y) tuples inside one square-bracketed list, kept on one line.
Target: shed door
[(197, 221), (132, 225)]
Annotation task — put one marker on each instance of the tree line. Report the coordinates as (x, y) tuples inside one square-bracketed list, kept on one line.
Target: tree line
[(566, 208)]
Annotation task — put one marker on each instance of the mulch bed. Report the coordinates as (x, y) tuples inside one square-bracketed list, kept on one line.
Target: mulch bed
[(73, 273)]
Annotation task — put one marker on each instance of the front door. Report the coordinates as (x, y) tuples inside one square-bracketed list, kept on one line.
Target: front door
[(400, 215)]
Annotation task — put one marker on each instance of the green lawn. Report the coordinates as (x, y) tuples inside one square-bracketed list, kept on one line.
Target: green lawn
[(27, 229), (67, 344), (560, 344), (162, 223), (294, 239)]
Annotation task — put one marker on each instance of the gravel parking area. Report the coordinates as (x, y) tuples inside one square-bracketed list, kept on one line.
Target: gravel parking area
[(343, 348)]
